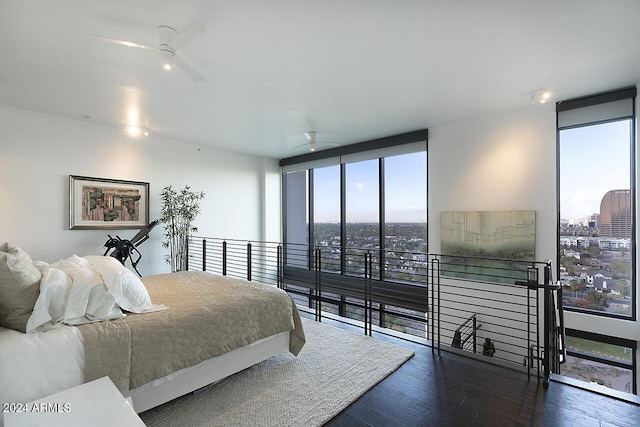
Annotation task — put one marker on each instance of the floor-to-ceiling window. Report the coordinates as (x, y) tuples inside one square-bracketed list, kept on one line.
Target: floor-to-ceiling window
[(597, 231), (405, 216), (365, 200), (326, 214), (362, 212), (596, 217)]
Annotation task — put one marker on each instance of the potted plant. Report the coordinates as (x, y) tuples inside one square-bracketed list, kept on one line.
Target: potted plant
[(178, 211)]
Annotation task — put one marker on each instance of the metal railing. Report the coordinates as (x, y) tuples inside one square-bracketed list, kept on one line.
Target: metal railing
[(433, 297), (516, 303), (466, 335)]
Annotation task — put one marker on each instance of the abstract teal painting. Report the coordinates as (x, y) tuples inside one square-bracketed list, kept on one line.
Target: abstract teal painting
[(488, 245)]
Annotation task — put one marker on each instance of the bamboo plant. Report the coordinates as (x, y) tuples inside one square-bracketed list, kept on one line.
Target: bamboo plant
[(179, 209)]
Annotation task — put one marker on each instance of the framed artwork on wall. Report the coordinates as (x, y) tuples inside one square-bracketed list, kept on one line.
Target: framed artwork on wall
[(101, 203), (488, 245)]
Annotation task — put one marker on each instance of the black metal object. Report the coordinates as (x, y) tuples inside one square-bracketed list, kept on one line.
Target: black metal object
[(126, 249), (374, 144), (368, 303), (465, 336), (318, 287)]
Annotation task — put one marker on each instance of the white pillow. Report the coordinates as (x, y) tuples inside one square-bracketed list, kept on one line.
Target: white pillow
[(48, 312), (127, 288), (73, 294), (100, 306)]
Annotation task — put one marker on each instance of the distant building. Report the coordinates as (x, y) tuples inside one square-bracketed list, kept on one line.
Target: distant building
[(614, 244), (606, 285), (578, 242), (615, 214)]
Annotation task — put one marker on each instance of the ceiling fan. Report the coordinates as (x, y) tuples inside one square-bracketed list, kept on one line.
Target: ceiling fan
[(313, 143), (170, 40)]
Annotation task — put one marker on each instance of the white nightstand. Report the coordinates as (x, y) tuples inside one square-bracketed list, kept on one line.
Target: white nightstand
[(97, 404)]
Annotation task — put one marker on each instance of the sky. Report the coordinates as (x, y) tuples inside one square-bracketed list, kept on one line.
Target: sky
[(405, 184), (593, 160)]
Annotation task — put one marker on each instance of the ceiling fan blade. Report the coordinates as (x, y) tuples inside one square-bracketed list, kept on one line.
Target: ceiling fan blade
[(124, 42), (193, 74), (193, 30)]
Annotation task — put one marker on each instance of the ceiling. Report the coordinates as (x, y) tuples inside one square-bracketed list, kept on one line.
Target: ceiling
[(352, 70)]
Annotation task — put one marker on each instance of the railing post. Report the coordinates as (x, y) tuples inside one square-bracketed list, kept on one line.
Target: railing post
[(530, 282), (475, 341), (439, 307), (186, 258), (435, 303), (279, 267), (204, 254), (249, 261), (431, 307), (318, 284), (224, 257), (368, 304), (548, 329)]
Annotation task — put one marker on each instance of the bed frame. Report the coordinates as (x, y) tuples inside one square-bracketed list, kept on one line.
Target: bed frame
[(189, 379)]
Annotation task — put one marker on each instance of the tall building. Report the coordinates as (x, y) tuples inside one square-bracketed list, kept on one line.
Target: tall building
[(615, 214)]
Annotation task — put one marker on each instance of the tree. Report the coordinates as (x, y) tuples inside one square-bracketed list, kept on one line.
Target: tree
[(568, 262), (178, 211), (620, 268), (624, 287), (597, 301), (594, 251), (576, 286)]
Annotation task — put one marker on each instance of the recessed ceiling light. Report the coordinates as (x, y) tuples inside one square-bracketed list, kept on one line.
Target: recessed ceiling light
[(133, 131), (136, 131), (540, 96)]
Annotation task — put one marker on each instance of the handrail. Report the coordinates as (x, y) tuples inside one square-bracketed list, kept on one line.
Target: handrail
[(461, 335)]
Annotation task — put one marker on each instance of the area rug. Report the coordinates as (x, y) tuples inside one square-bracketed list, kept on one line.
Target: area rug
[(334, 368)]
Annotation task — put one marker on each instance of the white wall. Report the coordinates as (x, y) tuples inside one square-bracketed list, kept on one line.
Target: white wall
[(38, 152)]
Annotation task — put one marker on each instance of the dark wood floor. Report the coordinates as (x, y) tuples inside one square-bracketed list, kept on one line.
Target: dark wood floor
[(453, 390)]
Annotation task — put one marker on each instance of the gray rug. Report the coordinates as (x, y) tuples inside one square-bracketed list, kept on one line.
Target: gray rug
[(334, 368)]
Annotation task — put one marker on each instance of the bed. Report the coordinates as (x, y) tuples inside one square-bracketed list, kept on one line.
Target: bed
[(156, 338)]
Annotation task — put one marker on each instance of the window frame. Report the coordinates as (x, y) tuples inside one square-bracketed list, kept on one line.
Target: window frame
[(629, 93), (606, 339)]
